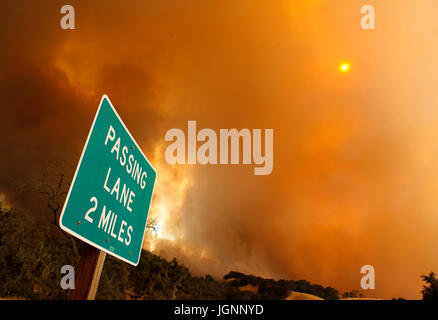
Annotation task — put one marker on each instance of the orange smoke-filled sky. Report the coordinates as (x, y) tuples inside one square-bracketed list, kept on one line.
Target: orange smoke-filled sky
[(355, 176)]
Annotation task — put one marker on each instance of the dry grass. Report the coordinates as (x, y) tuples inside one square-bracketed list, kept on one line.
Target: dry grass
[(250, 287), (302, 296)]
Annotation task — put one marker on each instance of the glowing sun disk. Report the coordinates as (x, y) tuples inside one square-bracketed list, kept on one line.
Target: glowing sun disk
[(344, 67)]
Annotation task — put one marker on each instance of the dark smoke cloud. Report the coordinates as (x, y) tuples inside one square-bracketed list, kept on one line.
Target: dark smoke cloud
[(354, 177)]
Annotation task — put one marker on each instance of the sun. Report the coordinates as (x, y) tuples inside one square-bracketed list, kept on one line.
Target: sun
[(344, 67)]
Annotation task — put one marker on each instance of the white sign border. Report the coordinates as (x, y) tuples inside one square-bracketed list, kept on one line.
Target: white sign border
[(74, 179)]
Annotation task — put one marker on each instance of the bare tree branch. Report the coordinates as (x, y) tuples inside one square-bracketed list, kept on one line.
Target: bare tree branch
[(54, 190)]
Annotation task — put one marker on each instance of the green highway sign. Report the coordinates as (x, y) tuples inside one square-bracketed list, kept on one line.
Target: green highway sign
[(111, 192)]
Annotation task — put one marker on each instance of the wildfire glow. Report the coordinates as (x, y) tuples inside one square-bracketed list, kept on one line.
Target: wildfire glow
[(3, 202), (169, 194)]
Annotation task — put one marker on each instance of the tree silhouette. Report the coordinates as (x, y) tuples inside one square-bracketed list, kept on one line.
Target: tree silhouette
[(352, 294), (430, 288), (54, 187)]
